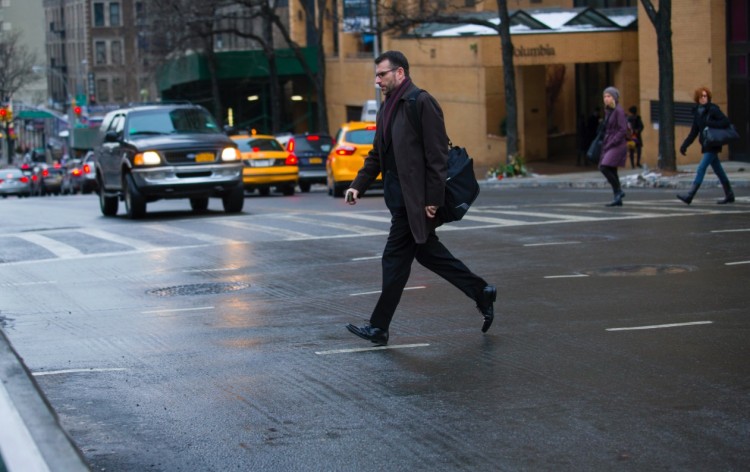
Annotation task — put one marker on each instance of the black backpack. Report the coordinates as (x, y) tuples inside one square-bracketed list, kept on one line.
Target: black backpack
[(461, 186)]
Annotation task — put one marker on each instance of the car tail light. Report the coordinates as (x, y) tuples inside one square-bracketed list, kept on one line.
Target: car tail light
[(45, 173), (34, 178), (24, 179), (76, 172), (291, 160), (86, 169), (313, 138), (290, 145), (57, 165), (345, 150), (371, 128)]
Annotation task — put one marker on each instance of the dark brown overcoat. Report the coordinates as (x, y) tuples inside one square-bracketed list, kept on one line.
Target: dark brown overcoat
[(421, 163)]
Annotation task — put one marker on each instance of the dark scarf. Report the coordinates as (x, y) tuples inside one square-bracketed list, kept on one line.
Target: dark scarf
[(389, 107)]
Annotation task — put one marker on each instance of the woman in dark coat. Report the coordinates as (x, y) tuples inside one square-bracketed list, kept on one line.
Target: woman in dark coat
[(614, 145), (706, 114)]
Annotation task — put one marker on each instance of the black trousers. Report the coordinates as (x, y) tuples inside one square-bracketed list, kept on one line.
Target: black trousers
[(610, 173), (398, 255)]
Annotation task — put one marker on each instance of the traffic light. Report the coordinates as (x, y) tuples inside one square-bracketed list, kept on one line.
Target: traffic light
[(4, 114)]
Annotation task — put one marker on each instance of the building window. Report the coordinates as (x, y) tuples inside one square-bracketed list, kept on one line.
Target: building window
[(102, 90), (101, 52), (118, 90), (683, 112), (114, 14), (116, 53), (98, 14)]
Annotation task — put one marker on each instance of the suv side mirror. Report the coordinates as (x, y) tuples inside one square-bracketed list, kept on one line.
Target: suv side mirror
[(111, 136)]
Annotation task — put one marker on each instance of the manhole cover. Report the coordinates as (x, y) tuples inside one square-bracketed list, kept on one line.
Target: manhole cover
[(198, 289), (641, 270)]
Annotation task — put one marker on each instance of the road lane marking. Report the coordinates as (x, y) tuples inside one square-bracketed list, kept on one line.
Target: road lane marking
[(115, 238), (276, 231), (175, 310), (368, 258), (418, 287), (569, 276), (561, 243), (736, 263), (731, 230), (494, 221), (77, 371), (208, 238), (25, 284), (61, 250), (365, 349), (672, 325), (220, 269)]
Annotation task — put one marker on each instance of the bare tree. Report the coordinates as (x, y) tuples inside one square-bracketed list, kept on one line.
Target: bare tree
[(16, 65), (404, 17), (662, 21)]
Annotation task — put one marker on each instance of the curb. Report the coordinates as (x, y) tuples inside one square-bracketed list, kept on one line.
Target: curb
[(31, 437)]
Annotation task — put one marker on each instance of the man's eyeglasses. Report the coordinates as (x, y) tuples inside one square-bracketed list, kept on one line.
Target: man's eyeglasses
[(382, 74)]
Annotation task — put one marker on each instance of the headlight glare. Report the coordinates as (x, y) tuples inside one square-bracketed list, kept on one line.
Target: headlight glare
[(229, 154), (148, 158)]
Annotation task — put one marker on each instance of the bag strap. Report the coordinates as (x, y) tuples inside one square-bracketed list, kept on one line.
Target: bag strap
[(413, 113)]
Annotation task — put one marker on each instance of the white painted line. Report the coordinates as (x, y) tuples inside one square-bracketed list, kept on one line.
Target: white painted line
[(280, 232), (221, 269), (368, 258), (731, 230), (192, 234), (493, 221), (561, 243), (569, 276), (57, 248), (553, 216), (736, 263), (115, 238), (175, 310), (365, 349), (76, 371), (18, 448), (673, 325), (418, 287), (25, 284)]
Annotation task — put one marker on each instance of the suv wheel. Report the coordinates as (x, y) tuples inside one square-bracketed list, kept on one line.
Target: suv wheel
[(199, 204), (234, 200), (107, 203), (304, 186), (135, 203), (288, 190)]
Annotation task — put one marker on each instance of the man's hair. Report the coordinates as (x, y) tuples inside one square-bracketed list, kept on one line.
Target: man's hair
[(396, 58)]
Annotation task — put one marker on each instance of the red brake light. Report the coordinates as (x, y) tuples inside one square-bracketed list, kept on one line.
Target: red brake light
[(313, 138), (345, 150), (57, 165), (24, 166), (76, 171), (45, 173), (86, 169), (256, 149), (24, 179), (371, 127), (291, 160), (290, 145)]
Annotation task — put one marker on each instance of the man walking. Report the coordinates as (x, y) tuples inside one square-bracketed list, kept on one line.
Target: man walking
[(413, 163)]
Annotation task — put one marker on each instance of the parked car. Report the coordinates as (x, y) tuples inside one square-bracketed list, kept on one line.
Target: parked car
[(353, 143), (72, 181), (88, 168), (266, 164), (311, 150), (151, 152), (13, 181)]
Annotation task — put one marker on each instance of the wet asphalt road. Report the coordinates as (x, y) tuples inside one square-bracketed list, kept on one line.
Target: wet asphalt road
[(216, 342)]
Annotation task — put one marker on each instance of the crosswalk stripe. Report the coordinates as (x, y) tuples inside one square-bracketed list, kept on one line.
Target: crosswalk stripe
[(116, 238), (199, 236), (328, 224), (57, 248), (494, 221), (263, 228), (554, 216)]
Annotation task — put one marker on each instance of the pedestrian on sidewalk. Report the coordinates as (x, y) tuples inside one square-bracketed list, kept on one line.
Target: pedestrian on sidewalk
[(614, 145), (413, 163), (635, 143), (706, 114)]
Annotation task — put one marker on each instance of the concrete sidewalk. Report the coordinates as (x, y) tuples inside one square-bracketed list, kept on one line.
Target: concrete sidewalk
[(567, 176)]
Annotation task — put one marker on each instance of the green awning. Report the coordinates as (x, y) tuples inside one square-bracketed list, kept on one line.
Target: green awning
[(34, 115)]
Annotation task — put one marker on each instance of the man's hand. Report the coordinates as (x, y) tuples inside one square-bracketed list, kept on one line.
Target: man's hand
[(430, 211), (351, 196)]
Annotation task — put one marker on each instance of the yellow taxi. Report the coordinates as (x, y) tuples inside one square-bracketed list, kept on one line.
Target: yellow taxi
[(266, 164), (351, 145)]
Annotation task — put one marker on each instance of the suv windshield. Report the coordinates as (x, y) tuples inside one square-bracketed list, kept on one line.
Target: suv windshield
[(180, 120), (313, 143)]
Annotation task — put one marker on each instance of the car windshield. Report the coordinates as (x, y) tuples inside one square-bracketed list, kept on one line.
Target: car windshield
[(259, 144), (361, 136), (313, 143), (179, 120)]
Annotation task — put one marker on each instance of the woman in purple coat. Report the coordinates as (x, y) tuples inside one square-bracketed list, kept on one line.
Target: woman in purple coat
[(614, 145)]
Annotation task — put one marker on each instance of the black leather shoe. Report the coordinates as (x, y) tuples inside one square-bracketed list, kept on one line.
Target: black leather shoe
[(376, 335), (487, 307)]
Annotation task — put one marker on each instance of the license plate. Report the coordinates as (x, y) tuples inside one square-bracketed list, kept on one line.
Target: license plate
[(316, 160), (204, 157), (262, 162)]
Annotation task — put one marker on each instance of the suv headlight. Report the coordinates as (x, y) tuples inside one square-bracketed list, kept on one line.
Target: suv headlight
[(148, 158), (230, 154)]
